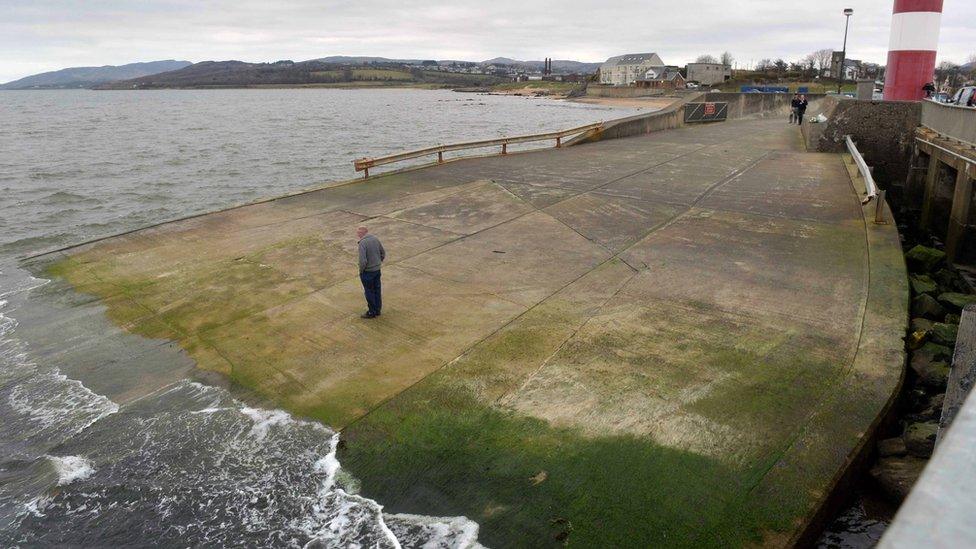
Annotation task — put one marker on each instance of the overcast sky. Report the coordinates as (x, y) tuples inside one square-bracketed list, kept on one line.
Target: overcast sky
[(43, 35)]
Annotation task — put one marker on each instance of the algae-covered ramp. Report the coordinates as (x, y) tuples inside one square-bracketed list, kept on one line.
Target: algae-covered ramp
[(670, 340)]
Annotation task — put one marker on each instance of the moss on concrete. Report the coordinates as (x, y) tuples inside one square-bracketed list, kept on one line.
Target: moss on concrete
[(619, 491)]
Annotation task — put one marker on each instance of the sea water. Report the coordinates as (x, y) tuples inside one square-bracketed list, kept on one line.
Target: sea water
[(187, 464)]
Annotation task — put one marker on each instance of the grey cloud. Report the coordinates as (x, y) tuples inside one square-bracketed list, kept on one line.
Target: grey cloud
[(51, 34)]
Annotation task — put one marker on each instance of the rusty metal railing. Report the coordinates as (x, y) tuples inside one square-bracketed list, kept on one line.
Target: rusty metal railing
[(364, 164)]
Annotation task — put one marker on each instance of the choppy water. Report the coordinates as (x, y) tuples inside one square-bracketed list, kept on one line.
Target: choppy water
[(187, 464)]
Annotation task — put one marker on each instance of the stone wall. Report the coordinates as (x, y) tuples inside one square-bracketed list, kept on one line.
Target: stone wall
[(883, 130)]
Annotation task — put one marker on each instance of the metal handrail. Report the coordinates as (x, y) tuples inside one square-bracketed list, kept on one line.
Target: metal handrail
[(862, 166), (364, 164)]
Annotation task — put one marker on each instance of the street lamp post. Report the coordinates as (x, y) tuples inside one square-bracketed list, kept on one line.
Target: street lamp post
[(843, 58)]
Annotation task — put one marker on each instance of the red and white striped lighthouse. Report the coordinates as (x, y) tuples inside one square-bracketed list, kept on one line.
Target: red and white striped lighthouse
[(911, 52)]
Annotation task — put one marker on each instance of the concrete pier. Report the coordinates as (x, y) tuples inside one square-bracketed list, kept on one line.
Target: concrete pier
[(677, 339)]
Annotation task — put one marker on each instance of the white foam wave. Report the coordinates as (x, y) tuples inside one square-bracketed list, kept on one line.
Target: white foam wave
[(265, 420), (50, 408), (435, 532), (329, 465), (52, 400), (71, 468), (22, 285)]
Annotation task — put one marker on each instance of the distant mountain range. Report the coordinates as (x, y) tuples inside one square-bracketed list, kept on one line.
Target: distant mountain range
[(325, 70), (87, 77), (238, 74)]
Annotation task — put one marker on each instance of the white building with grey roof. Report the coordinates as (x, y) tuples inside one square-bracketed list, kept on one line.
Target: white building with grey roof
[(624, 70)]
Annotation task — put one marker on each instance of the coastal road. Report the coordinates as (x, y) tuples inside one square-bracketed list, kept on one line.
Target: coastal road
[(674, 339)]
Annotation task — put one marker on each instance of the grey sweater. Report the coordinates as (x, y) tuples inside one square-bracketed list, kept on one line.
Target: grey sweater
[(371, 253)]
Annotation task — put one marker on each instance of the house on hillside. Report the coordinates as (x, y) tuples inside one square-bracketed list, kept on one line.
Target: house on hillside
[(624, 70), (708, 74), (662, 78)]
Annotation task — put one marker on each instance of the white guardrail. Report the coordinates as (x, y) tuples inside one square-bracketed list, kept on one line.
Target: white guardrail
[(869, 184)]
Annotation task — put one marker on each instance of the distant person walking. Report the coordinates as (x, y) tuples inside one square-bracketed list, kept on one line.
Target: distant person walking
[(801, 109), (793, 107), (371, 256), (929, 89)]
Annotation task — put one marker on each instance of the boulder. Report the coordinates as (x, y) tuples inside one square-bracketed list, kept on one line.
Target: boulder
[(921, 325), (956, 302), (949, 280), (944, 334), (929, 409), (935, 351), (953, 319), (932, 374), (897, 475), (920, 438), (924, 259), (926, 306), (892, 447), (923, 284)]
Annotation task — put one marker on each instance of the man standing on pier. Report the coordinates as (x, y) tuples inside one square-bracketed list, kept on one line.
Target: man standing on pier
[(801, 109), (371, 256)]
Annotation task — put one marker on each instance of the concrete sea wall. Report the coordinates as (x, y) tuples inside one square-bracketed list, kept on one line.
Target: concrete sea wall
[(742, 105), (622, 92), (667, 119), (883, 131)]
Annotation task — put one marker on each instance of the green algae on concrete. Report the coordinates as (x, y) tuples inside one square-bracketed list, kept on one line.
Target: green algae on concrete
[(678, 339)]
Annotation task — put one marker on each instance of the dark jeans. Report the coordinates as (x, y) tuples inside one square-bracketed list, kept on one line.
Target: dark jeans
[(371, 286), (799, 115)]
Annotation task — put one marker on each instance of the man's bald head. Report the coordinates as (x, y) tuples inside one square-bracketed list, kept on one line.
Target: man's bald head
[(361, 232)]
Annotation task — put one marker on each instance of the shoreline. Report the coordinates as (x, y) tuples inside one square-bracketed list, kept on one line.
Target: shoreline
[(654, 103)]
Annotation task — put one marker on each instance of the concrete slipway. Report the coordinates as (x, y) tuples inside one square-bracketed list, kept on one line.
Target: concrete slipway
[(677, 339)]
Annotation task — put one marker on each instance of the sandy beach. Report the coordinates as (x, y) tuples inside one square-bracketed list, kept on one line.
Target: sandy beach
[(652, 103)]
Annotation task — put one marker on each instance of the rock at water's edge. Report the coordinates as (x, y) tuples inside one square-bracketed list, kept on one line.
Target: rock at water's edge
[(921, 324), (956, 302), (923, 284), (927, 306), (920, 438), (924, 259), (892, 447), (897, 475), (944, 334)]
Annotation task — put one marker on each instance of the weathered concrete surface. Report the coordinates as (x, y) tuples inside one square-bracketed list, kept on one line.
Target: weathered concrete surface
[(677, 339)]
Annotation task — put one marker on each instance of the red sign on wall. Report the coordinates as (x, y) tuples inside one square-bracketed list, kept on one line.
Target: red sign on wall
[(709, 109)]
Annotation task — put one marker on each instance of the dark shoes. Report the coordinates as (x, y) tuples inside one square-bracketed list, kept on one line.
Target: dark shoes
[(368, 314)]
